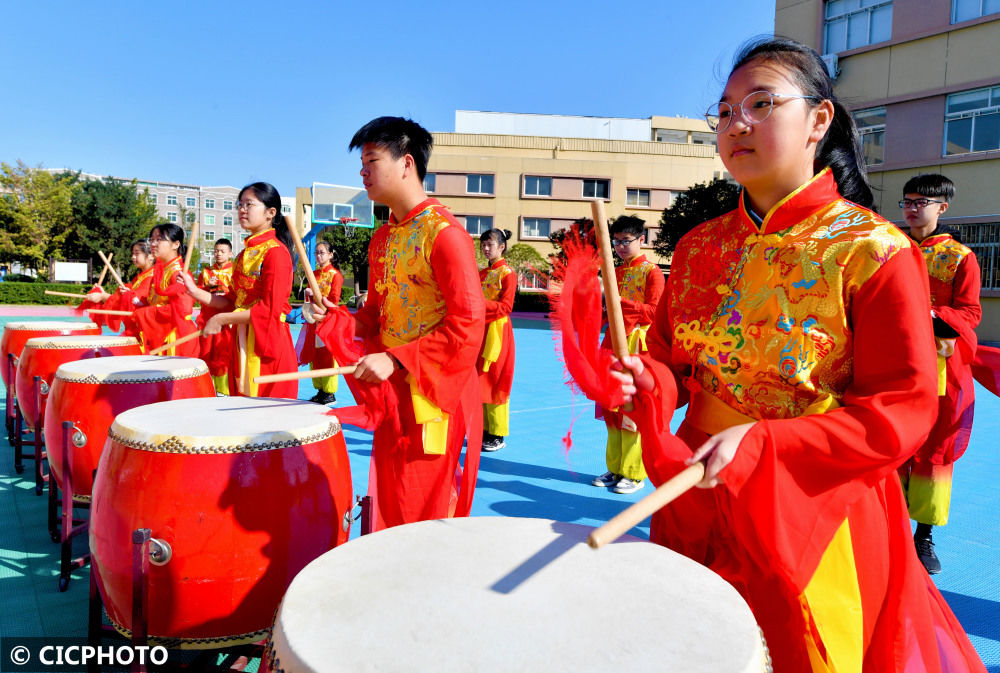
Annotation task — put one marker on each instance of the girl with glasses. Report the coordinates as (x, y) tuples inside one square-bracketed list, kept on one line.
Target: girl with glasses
[(257, 301), (313, 352), (796, 326), (167, 314)]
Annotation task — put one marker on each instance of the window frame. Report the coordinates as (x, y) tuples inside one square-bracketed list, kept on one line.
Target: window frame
[(540, 237), (871, 130), (596, 181), (869, 10), (539, 182), (480, 176), (992, 107), (479, 219)]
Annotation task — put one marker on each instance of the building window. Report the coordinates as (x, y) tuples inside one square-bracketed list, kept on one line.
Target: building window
[(190, 202), (537, 227), (151, 198), (210, 220), (537, 186), (476, 183), (430, 182), (671, 136), (189, 217), (595, 189), (227, 221), (637, 197), (984, 240), (854, 23), (210, 203), (209, 235), (171, 217), (531, 280), (964, 10), (227, 205), (871, 126), (972, 121), (477, 224), (171, 199), (286, 209), (702, 138), (244, 235)]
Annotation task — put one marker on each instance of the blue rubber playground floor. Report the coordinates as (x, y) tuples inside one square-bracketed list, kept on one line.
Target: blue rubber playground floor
[(534, 476)]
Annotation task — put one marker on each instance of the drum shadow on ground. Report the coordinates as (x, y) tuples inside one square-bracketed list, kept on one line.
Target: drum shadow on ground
[(568, 537), (488, 463), (545, 503)]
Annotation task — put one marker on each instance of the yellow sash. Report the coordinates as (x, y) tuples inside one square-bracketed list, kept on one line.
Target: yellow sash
[(493, 342), (433, 420)]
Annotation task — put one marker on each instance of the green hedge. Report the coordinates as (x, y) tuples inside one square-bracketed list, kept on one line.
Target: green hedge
[(531, 302), (34, 293)]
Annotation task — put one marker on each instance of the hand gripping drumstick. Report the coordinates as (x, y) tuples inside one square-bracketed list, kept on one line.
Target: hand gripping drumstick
[(659, 498), (114, 274), (310, 374), (183, 340)]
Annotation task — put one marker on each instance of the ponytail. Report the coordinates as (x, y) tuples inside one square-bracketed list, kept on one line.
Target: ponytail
[(840, 148), (280, 225)]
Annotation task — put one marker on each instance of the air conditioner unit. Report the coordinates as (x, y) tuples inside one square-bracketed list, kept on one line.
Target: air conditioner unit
[(831, 62)]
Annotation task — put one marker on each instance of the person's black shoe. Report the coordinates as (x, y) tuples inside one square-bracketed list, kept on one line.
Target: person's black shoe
[(925, 552)]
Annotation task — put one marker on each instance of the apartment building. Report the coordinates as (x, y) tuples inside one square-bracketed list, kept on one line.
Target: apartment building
[(922, 79), (535, 174)]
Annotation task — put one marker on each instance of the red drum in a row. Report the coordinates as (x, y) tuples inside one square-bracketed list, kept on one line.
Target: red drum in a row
[(43, 355), (245, 491), (91, 393), (15, 334)]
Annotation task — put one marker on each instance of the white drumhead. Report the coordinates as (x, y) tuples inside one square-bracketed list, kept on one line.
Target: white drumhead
[(79, 341), (224, 425), (49, 325), (131, 369), (510, 594)]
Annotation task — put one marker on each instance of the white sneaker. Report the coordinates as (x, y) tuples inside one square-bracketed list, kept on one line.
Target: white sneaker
[(626, 485), (606, 479)]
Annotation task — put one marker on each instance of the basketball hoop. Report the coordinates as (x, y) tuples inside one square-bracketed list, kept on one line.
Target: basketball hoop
[(345, 222)]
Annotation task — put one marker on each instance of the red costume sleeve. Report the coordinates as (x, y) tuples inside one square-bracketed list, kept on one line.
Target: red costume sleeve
[(275, 285), (502, 307), (965, 311), (443, 357), (336, 287)]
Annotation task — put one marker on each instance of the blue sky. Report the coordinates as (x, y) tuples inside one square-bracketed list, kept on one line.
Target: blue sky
[(225, 93)]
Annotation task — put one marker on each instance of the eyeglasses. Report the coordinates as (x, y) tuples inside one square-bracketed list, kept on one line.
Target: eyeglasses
[(756, 107), (623, 241), (919, 203), (247, 205)]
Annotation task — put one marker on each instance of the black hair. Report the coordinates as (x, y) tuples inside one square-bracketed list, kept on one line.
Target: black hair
[(932, 185), (334, 259), (400, 137), (628, 224), (498, 236), (269, 196), (143, 244), (224, 241), (840, 148), (171, 232)]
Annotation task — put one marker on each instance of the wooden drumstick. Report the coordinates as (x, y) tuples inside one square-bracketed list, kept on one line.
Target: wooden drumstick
[(183, 340), (105, 311), (55, 293), (114, 274), (190, 250), (616, 323), (633, 516), (304, 259), (310, 374), (104, 271)]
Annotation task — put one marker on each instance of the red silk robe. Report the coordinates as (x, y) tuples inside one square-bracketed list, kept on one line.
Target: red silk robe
[(331, 284), (425, 308), (126, 298), (262, 283), (499, 284), (216, 349), (814, 325), (167, 317), (955, 285)]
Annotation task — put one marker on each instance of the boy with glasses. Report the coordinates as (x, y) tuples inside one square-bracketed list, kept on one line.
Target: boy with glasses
[(640, 285), (955, 312)]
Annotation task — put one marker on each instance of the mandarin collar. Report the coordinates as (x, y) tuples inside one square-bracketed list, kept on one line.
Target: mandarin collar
[(816, 193), (419, 208)]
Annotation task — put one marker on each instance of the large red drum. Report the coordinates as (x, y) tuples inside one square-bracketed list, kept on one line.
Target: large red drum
[(90, 393), (245, 491), (43, 355), (15, 334)]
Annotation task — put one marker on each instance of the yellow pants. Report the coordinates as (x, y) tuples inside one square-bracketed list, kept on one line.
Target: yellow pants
[(624, 453), (326, 384), (496, 419), (221, 383)]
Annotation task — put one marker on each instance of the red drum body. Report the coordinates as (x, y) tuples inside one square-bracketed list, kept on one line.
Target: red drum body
[(43, 355), (15, 334), (245, 491), (91, 393)]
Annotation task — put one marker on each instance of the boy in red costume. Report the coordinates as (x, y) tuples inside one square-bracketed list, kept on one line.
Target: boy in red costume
[(423, 326), (955, 312), (215, 349), (640, 285)]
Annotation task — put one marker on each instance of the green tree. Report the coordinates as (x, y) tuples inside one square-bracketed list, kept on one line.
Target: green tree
[(525, 259), (698, 204), (34, 214), (108, 215), (351, 246)]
